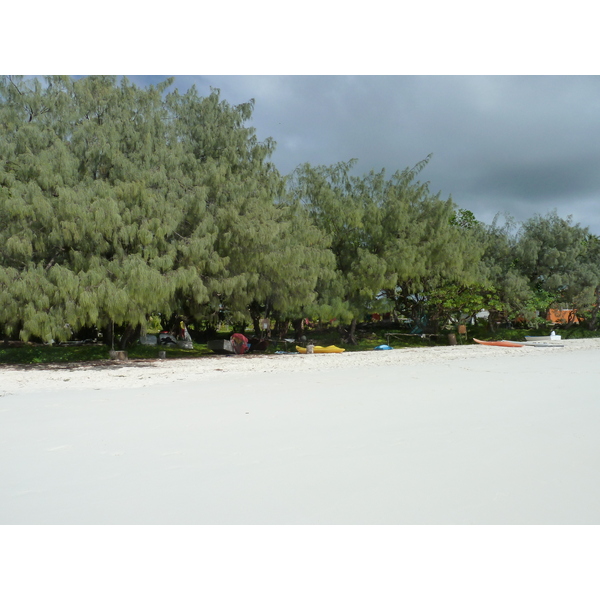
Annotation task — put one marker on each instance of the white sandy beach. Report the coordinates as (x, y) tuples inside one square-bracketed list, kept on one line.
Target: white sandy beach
[(441, 435)]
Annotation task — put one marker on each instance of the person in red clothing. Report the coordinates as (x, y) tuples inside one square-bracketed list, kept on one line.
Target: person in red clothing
[(239, 343)]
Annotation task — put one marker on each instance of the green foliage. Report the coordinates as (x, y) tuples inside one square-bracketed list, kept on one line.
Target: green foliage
[(458, 303), (464, 219), (551, 253), (339, 205), (118, 203)]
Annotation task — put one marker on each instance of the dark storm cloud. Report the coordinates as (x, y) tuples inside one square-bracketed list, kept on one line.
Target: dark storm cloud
[(523, 144), (546, 181)]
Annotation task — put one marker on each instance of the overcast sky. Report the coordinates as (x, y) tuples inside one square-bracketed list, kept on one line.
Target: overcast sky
[(523, 145), (504, 142)]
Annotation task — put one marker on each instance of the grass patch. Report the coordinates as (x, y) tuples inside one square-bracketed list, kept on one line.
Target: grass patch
[(367, 338), (34, 354), (38, 354)]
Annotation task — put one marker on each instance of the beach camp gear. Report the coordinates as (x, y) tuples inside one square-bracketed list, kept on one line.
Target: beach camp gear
[(166, 338), (543, 344), (383, 347), (239, 343), (220, 346), (505, 343), (509, 344), (321, 350)]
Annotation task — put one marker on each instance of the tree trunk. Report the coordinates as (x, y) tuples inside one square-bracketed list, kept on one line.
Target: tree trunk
[(298, 325), (107, 335), (130, 334), (594, 320), (255, 315), (256, 325), (282, 327), (349, 336)]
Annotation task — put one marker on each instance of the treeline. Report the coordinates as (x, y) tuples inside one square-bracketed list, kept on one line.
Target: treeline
[(118, 203)]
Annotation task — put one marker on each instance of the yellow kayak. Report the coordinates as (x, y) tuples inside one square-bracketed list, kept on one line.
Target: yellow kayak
[(322, 349)]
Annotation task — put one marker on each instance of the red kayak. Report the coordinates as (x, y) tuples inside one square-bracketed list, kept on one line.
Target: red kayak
[(505, 343)]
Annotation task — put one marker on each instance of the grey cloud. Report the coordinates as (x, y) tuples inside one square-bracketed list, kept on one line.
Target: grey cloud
[(526, 145), (539, 182)]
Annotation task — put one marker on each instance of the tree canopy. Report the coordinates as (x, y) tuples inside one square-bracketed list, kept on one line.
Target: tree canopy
[(119, 202)]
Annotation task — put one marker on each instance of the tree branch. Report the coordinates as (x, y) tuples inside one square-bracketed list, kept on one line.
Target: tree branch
[(15, 85), (53, 260)]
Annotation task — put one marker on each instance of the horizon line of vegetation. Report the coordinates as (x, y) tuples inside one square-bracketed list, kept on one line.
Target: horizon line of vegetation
[(119, 204)]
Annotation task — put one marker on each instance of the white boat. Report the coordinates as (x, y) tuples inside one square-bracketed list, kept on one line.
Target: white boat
[(543, 338)]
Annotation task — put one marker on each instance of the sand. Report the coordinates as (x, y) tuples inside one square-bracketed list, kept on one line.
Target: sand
[(456, 435)]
